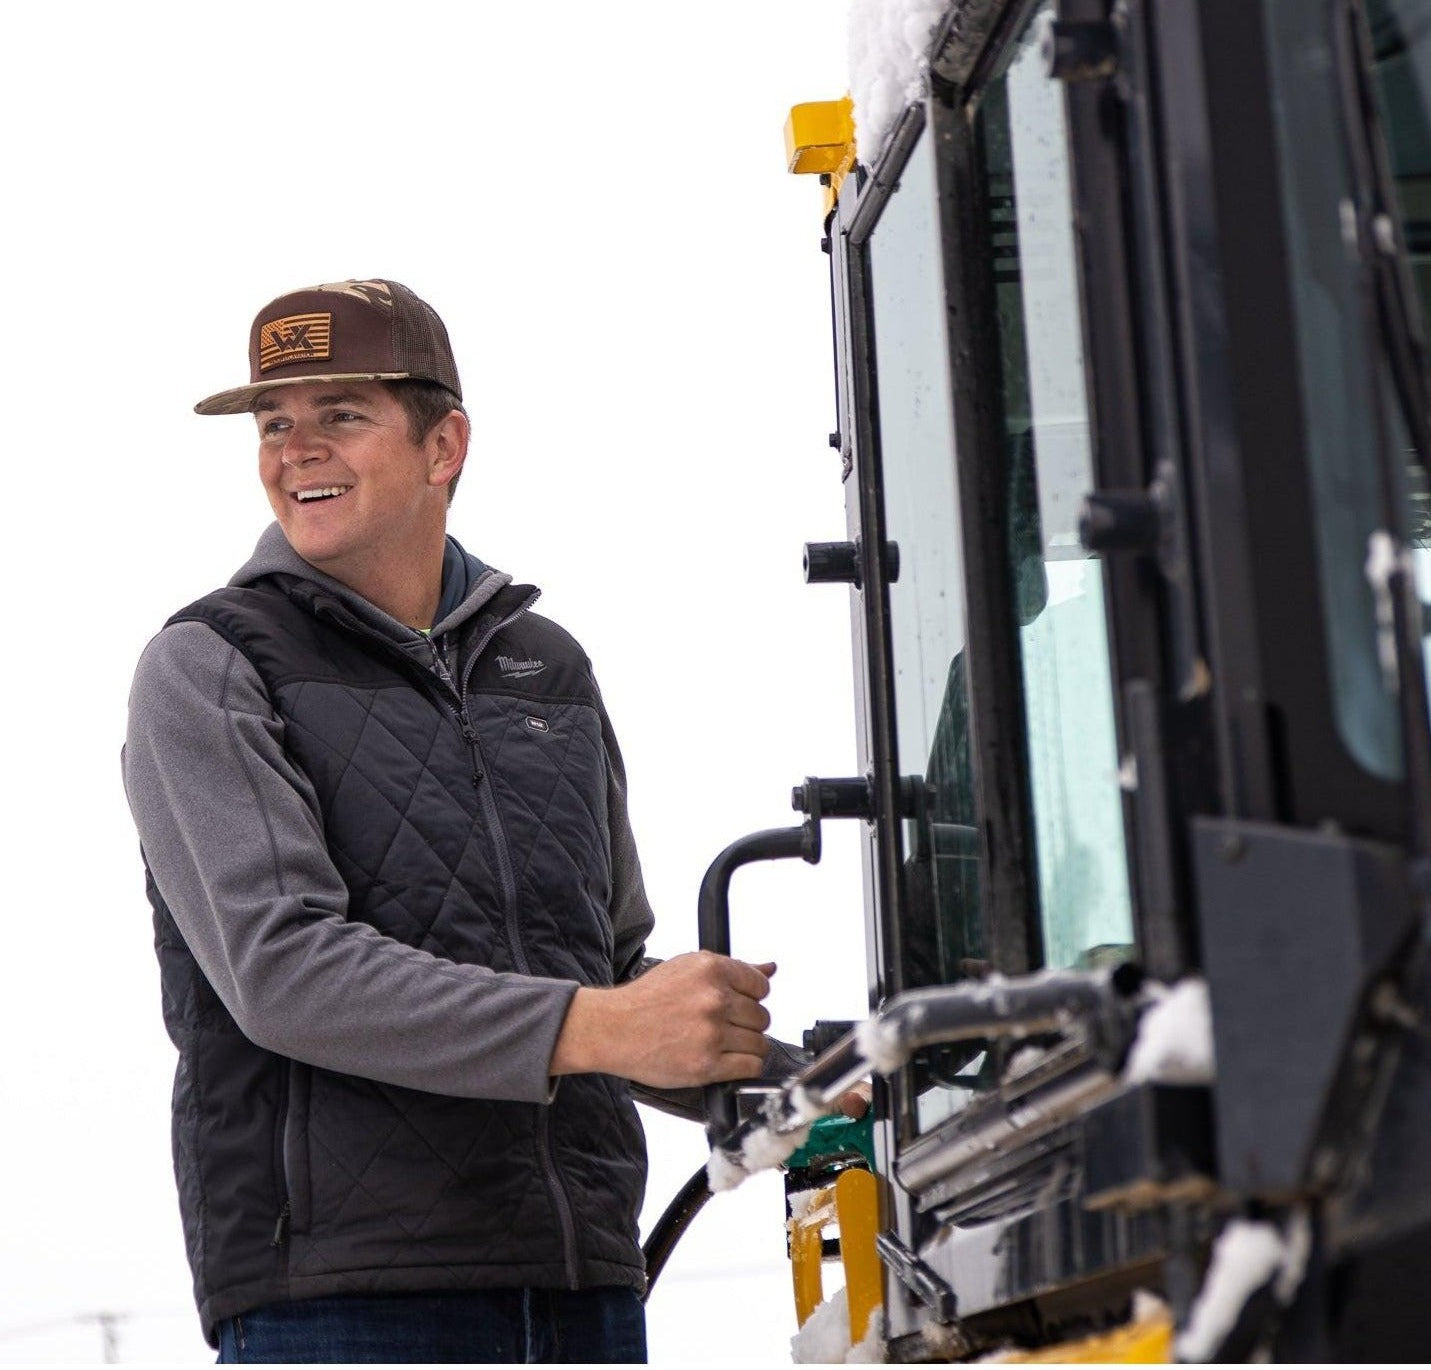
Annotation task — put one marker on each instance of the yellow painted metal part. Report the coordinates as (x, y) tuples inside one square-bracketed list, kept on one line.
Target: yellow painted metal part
[(820, 140), (1146, 1342), (807, 1235), (857, 1207), (853, 1202)]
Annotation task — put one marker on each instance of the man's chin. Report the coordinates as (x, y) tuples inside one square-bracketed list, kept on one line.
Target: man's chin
[(323, 553)]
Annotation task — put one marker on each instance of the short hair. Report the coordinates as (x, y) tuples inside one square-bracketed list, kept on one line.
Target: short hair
[(426, 404)]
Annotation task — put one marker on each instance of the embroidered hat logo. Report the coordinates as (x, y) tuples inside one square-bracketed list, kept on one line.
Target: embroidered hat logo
[(299, 337)]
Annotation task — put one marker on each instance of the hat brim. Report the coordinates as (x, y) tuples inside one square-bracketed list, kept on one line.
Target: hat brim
[(240, 399)]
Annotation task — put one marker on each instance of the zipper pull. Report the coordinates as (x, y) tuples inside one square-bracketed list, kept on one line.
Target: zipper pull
[(280, 1228), (470, 733), (439, 664)]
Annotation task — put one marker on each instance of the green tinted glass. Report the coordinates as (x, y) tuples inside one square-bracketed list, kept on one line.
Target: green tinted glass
[(1085, 909)]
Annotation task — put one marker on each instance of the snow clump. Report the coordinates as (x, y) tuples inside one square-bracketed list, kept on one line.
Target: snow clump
[(878, 1042), (889, 61), (825, 1337), (761, 1149), (1246, 1257), (1174, 1045)]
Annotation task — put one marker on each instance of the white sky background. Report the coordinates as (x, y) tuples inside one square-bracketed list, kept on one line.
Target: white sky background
[(594, 198)]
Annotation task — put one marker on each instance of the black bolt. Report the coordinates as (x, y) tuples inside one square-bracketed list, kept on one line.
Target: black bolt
[(832, 563), (1079, 51), (1119, 520)]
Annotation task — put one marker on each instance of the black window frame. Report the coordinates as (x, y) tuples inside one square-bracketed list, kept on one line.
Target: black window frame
[(995, 685)]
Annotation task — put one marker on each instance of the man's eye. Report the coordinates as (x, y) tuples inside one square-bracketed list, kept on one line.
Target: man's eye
[(345, 416), (273, 427)]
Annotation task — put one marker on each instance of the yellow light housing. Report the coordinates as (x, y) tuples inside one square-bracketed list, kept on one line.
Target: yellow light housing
[(820, 140)]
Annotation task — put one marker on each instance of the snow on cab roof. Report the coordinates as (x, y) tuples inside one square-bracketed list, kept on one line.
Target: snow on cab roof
[(889, 64)]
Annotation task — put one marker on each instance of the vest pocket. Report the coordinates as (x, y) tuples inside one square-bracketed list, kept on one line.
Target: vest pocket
[(296, 1172)]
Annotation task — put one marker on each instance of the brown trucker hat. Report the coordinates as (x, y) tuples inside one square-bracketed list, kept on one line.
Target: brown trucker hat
[(347, 331)]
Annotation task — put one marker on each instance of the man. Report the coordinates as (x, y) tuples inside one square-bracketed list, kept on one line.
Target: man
[(398, 908)]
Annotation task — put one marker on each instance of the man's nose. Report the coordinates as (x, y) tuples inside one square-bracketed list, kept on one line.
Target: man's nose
[(302, 446)]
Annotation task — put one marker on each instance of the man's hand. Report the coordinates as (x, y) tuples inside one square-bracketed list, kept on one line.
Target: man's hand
[(854, 1103), (696, 1019)]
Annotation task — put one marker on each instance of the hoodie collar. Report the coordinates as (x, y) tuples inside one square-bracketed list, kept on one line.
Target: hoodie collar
[(274, 555)]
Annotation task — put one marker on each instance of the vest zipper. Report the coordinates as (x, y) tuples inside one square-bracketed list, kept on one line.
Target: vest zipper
[(280, 1156), (556, 1186), (457, 702), (439, 664)]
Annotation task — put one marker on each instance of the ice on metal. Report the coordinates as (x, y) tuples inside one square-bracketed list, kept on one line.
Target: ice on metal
[(1246, 1257), (879, 1043), (1174, 1043), (762, 1148), (1384, 558)]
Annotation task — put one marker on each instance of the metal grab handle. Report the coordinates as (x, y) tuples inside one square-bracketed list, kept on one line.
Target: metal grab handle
[(713, 916)]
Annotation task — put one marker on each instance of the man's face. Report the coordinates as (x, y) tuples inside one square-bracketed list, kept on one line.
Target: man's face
[(348, 485)]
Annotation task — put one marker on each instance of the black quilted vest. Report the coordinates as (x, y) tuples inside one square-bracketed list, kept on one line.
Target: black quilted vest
[(298, 1182)]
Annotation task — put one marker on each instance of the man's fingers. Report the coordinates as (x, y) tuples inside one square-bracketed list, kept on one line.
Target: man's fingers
[(695, 1019), (745, 1043), (750, 980), (746, 1013), (737, 1066)]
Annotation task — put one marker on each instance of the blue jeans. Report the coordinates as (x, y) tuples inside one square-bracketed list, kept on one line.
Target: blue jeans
[(489, 1325)]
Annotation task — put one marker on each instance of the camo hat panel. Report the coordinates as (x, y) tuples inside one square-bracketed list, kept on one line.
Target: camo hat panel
[(347, 331)]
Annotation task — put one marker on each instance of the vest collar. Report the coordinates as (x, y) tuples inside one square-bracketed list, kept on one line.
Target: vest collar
[(274, 557)]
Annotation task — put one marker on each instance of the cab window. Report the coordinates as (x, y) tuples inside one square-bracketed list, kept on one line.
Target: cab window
[(1084, 906)]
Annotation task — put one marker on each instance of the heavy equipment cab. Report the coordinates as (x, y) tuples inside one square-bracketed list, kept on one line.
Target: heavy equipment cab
[(1128, 314)]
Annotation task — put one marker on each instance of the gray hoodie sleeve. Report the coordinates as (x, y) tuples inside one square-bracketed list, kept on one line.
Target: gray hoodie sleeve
[(232, 834)]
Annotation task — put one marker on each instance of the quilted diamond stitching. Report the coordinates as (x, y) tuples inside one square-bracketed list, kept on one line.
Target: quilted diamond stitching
[(560, 781), (350, 760), (395, 1121), (417, 924)]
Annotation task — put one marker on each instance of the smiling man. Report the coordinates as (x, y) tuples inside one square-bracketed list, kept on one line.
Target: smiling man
[(398, 908)]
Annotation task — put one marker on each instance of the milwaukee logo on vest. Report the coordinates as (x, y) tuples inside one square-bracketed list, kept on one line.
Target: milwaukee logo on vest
[(511, 668)]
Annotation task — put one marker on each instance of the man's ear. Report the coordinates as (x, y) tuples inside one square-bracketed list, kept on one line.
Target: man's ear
[(446, 447)]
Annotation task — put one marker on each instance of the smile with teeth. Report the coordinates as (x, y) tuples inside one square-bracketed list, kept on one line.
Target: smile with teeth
[(325, 492)]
